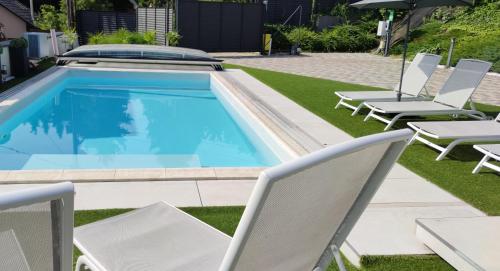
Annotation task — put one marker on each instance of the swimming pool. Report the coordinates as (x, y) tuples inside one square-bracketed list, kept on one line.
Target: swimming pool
[(94, 119)]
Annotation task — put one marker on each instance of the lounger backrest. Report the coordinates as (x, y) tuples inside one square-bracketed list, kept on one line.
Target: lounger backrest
[(462, 82), (299, 209), (418, 74), (36, 229)]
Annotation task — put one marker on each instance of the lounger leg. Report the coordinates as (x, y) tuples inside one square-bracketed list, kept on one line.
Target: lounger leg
[(356, 111), (339, 103), (414, 138), (480, 165), (338, 258), (448, 149), (369, 115), (393, 121), (83, 264)]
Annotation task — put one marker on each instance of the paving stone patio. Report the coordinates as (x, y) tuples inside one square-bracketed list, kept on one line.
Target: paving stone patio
[(359, 68)]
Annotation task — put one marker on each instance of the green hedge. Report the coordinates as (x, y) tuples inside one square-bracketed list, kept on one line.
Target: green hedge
[(342, 38)]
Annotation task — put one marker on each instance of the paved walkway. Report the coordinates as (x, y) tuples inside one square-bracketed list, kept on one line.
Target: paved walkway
[(359, 68)]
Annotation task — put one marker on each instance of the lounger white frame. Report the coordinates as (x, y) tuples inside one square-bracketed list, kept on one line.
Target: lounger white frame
[(415, 76), (446, 150), (63, 194), (485, 161), (387, 148), (455, 109)]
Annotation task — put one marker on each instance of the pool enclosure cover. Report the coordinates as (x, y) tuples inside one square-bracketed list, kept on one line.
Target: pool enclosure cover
[(130, 53)]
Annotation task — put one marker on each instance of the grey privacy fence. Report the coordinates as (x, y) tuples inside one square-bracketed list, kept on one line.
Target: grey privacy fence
[(159, 20), (91, 22), (220, 26)]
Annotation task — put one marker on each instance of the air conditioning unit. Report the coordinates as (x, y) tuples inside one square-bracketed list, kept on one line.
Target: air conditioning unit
[(39, 44)]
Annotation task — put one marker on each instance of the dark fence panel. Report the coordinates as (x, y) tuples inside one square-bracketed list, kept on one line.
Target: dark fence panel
[(279, 10), (91, 22), (219, 26)]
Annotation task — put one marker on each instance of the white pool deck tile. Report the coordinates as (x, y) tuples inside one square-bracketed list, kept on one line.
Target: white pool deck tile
[(465, 243), (414, 191), (225, 192), (135, 194), (386, 228), (391, 230)]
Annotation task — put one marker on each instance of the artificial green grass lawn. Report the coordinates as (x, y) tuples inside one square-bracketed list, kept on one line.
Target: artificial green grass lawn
[(227, 218), (453, 174)]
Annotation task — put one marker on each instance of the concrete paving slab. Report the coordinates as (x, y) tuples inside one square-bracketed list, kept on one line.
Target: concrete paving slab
[(465, 243), (406, 191), (391, 230), (225, 192), (90, 196), (109, 195), (400, 172)]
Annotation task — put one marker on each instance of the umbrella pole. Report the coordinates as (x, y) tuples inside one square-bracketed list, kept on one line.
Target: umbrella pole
[(405, 49)]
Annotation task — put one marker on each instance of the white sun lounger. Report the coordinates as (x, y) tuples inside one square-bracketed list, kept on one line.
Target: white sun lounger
[(297, 217), (489, 151), (450, 100), (414, 80), (458, 131), (36, 229)]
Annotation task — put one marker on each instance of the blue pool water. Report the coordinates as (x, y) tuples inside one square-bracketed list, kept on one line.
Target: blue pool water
[(103, 119)]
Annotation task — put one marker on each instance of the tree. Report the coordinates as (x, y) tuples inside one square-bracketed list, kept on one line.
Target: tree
[(51, 18)]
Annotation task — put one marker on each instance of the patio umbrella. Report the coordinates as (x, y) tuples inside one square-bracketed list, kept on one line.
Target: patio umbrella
[(409, 5)]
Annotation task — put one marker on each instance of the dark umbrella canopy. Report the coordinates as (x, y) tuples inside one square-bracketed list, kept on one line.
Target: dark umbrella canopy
[(409, 5)]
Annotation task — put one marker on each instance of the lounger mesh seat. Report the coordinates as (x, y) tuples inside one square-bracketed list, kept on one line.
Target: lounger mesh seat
[(179, 240), (36, 229), (458, 131), (450, 100), (417, 106), (414, 80), (297, 217)]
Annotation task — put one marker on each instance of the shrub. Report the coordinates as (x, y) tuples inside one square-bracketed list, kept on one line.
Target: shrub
[(307, 39), (343, 38), (123, 36), (348, 38), (173, 38)]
